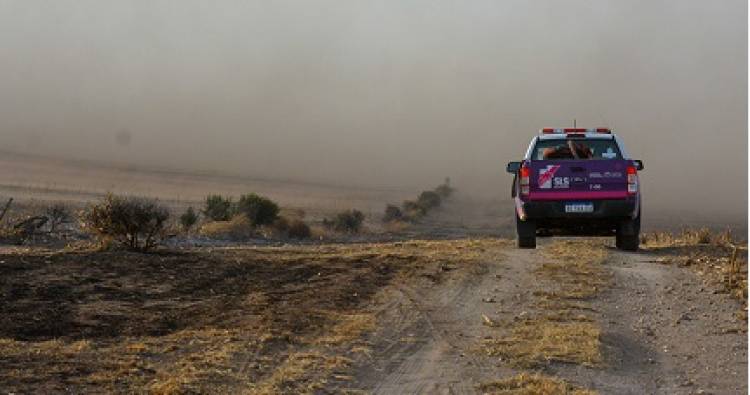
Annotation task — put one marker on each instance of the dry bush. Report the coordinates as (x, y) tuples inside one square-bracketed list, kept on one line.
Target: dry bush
[(392, 213), (238, 228), (258, 209), (412, 210), (283, 228), (532, 384), (428, 200), (298, 229), (136, 223), (349, 221), (218, 208), (188, 219)]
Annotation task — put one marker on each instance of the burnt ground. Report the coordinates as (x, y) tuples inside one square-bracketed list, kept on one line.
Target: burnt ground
[(131, 319)]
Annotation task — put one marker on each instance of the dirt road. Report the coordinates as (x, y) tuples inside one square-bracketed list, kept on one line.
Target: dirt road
[(663, 329)]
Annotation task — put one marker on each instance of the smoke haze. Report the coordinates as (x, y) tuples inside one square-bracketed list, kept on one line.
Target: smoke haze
[(377, 93)]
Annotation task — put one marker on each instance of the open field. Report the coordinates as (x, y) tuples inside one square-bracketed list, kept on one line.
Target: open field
[(34, 181), (446, 305)]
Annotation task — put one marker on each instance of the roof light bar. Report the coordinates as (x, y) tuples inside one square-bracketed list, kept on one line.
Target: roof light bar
[(575, 130)]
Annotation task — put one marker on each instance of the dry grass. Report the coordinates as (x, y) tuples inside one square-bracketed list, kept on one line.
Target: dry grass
[(688, 237), (301, 373), (532, 384), (535, 342), (561, 331), (717, 256), (238, 228), (349, 328)]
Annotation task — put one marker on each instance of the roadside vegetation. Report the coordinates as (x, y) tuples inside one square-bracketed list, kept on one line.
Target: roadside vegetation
[(413, 210), (717, 256), (135, 223)]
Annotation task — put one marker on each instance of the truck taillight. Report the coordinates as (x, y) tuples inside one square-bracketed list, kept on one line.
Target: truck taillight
[(524, 180), (632, 180)]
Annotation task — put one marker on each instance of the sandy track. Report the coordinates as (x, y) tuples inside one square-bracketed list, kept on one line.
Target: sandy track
[(663, 330)]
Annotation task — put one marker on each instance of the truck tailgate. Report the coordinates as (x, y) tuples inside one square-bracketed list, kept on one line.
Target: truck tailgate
[(578, 179)]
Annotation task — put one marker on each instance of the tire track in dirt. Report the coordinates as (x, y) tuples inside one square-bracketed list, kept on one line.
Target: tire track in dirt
[(663, 329), (430, 330)]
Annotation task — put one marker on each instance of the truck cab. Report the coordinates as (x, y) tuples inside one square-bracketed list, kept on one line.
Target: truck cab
[(575, 181)]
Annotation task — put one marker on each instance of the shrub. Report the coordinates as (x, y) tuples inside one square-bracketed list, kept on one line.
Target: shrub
[(218, 208), (57, 214), (412, 210), (188, 219), (428, 200), (258, 209), (136, 223), (298, 229), (349, 221), (445, 190), (281, 225), (392, 213)]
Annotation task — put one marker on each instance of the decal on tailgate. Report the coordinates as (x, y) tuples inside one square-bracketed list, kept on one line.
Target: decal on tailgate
[(545, 176)]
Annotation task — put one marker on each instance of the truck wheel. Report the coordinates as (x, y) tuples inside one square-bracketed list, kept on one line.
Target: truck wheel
[(526, 231), (627, 243), (628, 235)]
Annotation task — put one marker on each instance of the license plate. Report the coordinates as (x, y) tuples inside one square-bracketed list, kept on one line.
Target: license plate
[(579, 207)]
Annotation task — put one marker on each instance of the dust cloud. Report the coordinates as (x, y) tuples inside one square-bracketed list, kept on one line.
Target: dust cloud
[(396, 93)]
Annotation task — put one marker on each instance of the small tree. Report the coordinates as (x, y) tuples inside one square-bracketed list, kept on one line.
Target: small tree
[(258, 209), (188, 219), (136, 223), (218, 208)]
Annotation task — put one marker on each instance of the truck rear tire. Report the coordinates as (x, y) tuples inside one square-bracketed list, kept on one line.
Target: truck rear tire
[(526, 231), (628, 235), (627, 243)]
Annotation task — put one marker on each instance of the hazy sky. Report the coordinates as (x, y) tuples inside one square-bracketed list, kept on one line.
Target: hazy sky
[(391, 93)]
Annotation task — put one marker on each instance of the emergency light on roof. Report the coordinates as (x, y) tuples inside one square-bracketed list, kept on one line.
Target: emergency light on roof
[(575, 130)]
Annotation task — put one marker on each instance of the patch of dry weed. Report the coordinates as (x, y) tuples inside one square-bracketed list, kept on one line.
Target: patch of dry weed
[(532, 384)]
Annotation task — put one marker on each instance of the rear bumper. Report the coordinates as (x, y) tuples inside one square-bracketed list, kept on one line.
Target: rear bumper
[(603, 210)]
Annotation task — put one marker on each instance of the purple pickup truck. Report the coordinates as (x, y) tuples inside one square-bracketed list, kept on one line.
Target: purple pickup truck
[(580, 182)]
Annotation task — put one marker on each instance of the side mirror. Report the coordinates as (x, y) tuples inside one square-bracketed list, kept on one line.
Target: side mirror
[(638, 164), (513, 167)]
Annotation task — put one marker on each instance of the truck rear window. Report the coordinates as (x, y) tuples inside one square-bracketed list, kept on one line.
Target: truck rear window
[(575, 149)]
